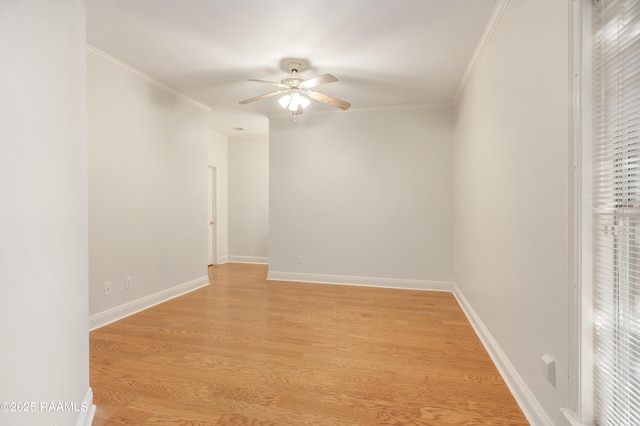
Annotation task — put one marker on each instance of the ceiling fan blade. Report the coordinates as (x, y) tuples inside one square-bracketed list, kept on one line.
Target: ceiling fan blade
[(317, 81), (282, 86), (329, 100), (266, 95)]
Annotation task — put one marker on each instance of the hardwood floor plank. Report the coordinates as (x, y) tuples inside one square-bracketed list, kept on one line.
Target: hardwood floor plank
[(246, 351)]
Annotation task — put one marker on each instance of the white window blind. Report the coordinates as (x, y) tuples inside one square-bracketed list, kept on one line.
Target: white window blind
[(616, 203)]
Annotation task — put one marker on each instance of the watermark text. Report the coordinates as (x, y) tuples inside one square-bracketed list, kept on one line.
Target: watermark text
[(42, 406)]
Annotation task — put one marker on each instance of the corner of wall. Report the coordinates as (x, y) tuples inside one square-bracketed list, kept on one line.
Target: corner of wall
[(529, 405), (86, 410)]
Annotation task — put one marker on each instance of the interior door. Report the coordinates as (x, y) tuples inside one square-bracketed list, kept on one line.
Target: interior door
[(211, 216)]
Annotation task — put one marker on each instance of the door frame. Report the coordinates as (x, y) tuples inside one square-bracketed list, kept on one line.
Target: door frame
[(212, 204)]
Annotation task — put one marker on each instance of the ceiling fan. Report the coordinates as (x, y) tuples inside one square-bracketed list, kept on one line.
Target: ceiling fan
[(297, 90)]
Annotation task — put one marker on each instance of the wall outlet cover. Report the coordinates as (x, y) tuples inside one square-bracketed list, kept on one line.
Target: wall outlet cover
[(548, 368)]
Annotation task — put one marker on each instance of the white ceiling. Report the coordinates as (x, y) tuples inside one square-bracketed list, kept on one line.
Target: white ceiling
[(385, 53)]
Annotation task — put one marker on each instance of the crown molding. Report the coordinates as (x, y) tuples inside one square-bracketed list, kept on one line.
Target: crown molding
[(93, 51), (496, 15), (421, 107)]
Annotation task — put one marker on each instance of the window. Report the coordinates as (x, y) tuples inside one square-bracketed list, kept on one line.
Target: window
[(616, 211)]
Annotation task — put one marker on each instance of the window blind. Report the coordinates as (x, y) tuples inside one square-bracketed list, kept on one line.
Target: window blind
[(616, 215)]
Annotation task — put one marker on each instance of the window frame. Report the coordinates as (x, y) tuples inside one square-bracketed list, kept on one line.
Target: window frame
[(580, 397), (581, 309)]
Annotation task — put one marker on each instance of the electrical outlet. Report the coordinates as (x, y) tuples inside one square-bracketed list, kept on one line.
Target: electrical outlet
[(300, 260), (107, 288), (548, 368), (127, 283)]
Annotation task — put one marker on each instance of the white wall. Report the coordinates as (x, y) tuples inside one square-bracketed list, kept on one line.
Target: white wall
[(362, 194), (249, 198), (147, 186), (511, 193), (218, 157), (43, 192)]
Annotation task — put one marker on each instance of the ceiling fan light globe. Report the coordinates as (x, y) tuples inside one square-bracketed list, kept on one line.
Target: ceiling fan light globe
[(295, 101), (284, 101), (304, 101)]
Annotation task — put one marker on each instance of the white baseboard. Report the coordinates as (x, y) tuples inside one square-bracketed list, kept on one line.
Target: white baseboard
[(85, 418), (222, 260), (529, 405), (361, 281), (247, 259), (571, 419), (111, 315)]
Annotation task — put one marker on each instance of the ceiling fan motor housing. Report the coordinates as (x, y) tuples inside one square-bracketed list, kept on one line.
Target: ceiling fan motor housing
[(293, 80)]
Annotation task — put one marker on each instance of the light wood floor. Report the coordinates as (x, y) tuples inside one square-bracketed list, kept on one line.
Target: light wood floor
[(246, 351)]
